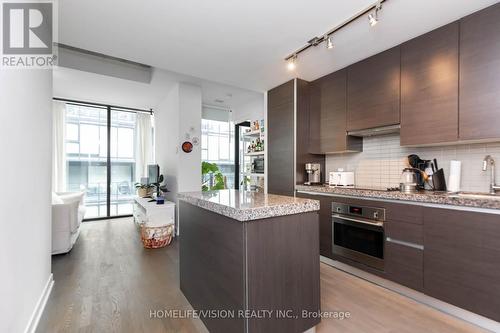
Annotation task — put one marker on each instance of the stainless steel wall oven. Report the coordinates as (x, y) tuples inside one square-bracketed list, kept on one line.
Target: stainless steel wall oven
[(358, 233)]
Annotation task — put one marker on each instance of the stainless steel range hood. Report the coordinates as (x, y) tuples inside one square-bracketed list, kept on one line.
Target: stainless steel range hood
[(376, 131)]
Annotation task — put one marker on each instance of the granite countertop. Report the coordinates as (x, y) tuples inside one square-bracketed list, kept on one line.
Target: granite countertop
[(429, 197), (248, 206)]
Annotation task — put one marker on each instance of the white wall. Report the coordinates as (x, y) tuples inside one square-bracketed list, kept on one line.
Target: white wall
[(383, 159), (189, 125), (166, 137), (178, 115), (251, 110), (25, 199)]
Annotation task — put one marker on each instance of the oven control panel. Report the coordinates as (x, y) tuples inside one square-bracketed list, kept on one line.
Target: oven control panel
[(372, 213)]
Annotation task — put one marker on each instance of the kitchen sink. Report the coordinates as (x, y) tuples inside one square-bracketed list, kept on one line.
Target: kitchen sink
[(475, 196)]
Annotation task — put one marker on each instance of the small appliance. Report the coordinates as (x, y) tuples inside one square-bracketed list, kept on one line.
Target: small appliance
[(341, 178), (258, 165), (408, 182), (419, 166), (313, 171), (358, 234)]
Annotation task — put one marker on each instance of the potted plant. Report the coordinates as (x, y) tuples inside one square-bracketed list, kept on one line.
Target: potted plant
[(144, 190), (245, 183), (211, 177)]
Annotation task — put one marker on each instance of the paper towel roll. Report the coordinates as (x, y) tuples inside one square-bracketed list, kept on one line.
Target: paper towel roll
[(455, 175)]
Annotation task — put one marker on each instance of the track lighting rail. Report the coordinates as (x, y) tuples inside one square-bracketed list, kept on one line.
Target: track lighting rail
[(318, 40)]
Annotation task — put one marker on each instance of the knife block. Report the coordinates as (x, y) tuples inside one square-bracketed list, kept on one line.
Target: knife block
[(439, 181)]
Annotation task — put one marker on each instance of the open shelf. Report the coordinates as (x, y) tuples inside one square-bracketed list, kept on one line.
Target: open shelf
[(256, 174), (255, 153), (253, 133)]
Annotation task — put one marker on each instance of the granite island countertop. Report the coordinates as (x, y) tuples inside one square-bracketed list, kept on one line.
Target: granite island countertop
[(248, 206), (422, 197)]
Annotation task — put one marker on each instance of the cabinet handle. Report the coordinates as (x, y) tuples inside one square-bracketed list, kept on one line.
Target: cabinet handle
[(403, 243)]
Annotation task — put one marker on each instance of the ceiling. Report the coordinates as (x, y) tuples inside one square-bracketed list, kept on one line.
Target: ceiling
[(243, 43)]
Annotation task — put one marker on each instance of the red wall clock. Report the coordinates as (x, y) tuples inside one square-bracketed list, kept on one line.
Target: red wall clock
[(187, 147)]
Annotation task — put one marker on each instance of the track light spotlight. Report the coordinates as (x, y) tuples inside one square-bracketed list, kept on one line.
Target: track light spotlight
[(329, 42), (373, 17), (292, 63)]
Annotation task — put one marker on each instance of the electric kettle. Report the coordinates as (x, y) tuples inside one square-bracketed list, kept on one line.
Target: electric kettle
[(408, 182)]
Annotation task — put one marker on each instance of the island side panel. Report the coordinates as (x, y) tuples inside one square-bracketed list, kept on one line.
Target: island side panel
[(211, 260), (283, 271)]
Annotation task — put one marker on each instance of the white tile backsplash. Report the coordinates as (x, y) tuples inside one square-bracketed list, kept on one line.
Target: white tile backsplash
[(382, 160)]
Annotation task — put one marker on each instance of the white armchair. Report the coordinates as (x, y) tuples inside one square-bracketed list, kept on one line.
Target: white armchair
[(68, 211)]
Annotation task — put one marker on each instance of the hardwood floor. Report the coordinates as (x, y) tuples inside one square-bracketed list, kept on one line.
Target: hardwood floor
[(375, 309), (109, 283)]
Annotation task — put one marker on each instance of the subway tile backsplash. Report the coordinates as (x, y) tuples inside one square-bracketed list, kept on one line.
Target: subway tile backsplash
[(382, 161)]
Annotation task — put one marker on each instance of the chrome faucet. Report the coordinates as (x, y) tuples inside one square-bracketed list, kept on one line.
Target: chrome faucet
[(489, 160)]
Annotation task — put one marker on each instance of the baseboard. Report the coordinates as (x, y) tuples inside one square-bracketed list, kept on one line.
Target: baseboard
[(40, 306), (422, 298)]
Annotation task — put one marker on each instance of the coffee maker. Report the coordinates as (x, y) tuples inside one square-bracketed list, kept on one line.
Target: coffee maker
[(313, 171)]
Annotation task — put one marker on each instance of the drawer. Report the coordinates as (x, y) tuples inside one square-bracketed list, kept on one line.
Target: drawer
[(404, 265), (406, 232), (404, 213)]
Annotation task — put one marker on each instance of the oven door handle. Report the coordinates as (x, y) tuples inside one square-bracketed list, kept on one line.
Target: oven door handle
[(378, 224)]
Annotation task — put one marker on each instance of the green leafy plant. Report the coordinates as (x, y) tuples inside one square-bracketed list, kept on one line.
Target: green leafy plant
[(144, 186), (246, 181), (207, 170), (144, 190)]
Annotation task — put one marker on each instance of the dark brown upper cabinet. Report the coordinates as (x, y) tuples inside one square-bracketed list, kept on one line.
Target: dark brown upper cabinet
[(480, 75), (373, 91), (328, 116), (429, 87), (288, 137), (280, 145), (303, 138)]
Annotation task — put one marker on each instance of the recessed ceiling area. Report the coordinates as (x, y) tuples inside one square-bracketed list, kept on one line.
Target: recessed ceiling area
[(90, 87), (243, 43)]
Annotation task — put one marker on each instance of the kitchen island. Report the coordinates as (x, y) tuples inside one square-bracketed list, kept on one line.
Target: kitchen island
[(249, 262)]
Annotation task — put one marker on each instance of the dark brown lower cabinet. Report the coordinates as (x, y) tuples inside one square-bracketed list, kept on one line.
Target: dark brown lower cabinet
[(325, 223), (448, 254), (404, 264), (462, 259), (404, 255)]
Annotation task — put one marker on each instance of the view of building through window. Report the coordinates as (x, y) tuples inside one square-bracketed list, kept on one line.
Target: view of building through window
[(217, 146), (86, 155)]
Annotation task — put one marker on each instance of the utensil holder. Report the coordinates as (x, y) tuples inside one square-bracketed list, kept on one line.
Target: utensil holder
[(439, 180)]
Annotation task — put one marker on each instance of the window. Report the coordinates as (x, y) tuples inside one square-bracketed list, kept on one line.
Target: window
[(217, 146), (87, 158)]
